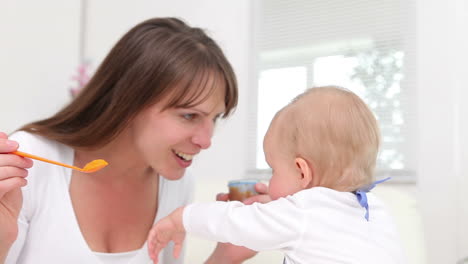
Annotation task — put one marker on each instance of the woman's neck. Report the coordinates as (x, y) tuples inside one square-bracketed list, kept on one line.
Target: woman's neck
[(125, 163)]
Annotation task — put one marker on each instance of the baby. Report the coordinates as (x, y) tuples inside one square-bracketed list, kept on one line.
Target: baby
[(322, 148)]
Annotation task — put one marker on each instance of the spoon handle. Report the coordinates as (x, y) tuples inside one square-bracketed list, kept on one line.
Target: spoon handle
[(23, 154)]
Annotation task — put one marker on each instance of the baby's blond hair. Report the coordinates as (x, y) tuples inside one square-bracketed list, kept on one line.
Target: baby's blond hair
[(334, 130)]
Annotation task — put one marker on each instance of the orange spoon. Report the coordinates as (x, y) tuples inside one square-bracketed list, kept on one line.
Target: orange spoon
[(92, 166)]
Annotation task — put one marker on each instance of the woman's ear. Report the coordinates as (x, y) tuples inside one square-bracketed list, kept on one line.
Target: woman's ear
[(306, 170)]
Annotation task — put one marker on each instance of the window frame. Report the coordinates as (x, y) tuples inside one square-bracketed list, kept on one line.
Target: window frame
[(399, 176)]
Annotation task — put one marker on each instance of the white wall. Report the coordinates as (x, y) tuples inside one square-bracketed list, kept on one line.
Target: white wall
[(461, 83), (38, 55), (443, 127)]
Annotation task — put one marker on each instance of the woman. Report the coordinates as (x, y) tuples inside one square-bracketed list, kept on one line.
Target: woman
[(149, 109)]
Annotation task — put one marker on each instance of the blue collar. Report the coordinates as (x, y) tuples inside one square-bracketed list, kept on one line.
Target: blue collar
[(361, 195)]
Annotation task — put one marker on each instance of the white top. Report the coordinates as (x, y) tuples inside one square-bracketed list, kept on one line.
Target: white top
[(317, 225), (48, 229), (116, 258)]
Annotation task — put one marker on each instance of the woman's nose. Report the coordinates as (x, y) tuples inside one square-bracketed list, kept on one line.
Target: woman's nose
[(203, 135)]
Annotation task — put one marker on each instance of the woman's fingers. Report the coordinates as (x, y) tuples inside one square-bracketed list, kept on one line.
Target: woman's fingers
[(15, 161), (7, 172), (11, 178), (6, 145), (12, 167), (9, 184)]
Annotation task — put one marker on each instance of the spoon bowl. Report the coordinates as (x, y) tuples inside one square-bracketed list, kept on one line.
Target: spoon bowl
[(94, 166)]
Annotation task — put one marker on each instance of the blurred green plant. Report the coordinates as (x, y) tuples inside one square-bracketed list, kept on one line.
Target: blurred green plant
[(380, 71)]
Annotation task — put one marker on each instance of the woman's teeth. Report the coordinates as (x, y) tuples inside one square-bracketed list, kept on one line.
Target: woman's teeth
[(184, 156)]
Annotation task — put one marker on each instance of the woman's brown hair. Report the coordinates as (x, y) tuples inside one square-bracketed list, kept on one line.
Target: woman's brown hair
[(158, 58)]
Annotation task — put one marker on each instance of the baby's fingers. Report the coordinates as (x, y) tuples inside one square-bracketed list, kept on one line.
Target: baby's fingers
[(155, 245), (263, 198), (151, 242), (157, 249), (261, 188), (177, 249), (178, 242), (222, 197)]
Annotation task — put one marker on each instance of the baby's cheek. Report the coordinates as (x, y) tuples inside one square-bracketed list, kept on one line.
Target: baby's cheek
[(273, 190)]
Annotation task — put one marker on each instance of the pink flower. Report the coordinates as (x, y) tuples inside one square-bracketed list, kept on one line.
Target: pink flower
[(80, 79)]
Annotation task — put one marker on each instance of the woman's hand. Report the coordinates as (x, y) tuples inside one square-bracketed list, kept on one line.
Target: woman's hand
[(226, 253), (12, 178)]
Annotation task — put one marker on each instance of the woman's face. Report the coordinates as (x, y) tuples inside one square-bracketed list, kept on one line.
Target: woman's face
[(168, 140)]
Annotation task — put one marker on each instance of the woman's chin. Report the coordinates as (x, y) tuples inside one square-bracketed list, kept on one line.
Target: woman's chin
[(173, 175)]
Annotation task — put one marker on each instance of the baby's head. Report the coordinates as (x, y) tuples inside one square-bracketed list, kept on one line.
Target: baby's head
[(326, 137)]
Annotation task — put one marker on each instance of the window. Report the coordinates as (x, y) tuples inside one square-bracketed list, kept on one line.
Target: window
[(273, 96), (365, 46)]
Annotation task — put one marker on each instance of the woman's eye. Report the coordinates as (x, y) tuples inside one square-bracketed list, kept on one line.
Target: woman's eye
[(189, 116)]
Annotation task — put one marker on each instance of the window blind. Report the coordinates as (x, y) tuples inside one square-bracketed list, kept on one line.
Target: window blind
[(364, 45)]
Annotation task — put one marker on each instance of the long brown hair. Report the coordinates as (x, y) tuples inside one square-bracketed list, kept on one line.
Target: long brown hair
[(157, 58)]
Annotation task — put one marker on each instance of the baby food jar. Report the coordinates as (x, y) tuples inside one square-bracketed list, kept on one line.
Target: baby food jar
[(242, 189)]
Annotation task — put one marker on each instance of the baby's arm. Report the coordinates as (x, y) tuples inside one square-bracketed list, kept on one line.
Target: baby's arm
[(277, 225), (168, 228)]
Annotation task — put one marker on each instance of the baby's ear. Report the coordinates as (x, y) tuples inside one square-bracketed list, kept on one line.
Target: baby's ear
[(306, 170)]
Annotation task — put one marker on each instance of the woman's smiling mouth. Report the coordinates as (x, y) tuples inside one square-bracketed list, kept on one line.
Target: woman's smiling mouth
[(184, 156), (183, 159)]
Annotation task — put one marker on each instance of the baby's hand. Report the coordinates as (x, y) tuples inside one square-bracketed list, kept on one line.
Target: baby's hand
[(262, 196), (169, 228)]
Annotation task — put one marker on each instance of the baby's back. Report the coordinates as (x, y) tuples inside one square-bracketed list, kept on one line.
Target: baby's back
[(336, 230)]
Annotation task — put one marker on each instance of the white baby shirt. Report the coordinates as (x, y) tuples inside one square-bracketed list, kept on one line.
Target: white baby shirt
[(318, 225)]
